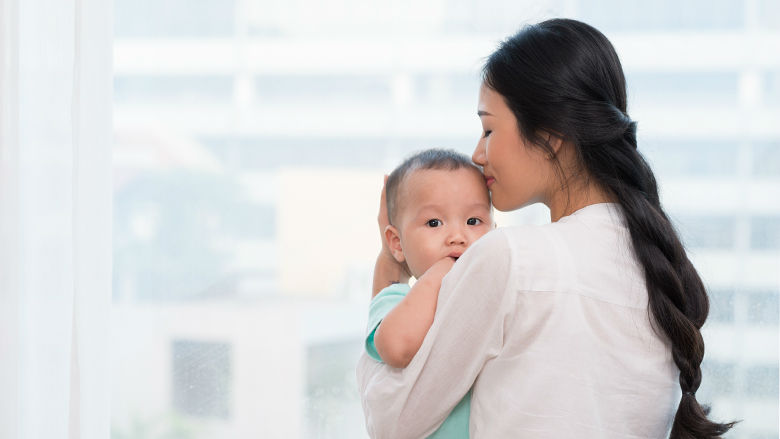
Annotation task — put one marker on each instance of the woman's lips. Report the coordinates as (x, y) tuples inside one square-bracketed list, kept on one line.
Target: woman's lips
[(489, 181)]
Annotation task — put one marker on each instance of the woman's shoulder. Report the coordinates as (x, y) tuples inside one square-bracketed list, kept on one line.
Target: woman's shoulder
[(533, 256), (508, 245), (519, 239)]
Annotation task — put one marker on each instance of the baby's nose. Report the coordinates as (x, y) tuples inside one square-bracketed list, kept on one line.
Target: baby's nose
[(457, 237)]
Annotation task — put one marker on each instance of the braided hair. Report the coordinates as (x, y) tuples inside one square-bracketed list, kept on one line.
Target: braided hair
[(563, 76)]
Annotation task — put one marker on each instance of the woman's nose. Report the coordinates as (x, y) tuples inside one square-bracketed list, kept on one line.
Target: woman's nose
[(478, 156)]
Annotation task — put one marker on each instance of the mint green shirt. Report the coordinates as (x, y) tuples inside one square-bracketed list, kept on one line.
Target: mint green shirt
[(456, 426)]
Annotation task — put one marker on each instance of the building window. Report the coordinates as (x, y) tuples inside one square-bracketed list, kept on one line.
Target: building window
[(721, 306), (707, 232), (659, 88), (765, 233), (667, 15), (174, 18), (761, 381), (718, 379), (331, 394), (692, 159), (763, 308), (201, 378), (173, 90), (766, 158)]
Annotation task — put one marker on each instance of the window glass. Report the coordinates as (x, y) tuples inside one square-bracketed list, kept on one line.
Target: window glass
[(688, 89), (763, 308), (248, 162), (766, 159), (721, 306), (664, 15), (770, 14), (174, 18), (765, 233), (707, 232), (208, 365), (703, 158), (173, 90)]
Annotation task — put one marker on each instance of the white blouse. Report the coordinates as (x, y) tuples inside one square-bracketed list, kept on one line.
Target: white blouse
[(550, 326)]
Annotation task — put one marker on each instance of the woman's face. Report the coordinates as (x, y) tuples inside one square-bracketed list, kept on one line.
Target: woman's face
[(516, 174)]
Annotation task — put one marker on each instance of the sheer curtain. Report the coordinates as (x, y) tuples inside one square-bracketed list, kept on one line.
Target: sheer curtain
[(55, 218)]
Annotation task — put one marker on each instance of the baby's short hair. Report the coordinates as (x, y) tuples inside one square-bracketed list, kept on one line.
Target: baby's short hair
[(434, 158)]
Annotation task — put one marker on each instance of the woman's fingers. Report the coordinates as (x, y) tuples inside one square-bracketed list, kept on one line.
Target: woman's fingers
[(382, 217)]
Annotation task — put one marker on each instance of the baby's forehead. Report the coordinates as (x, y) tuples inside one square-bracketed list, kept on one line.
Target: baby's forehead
[(412, 188)]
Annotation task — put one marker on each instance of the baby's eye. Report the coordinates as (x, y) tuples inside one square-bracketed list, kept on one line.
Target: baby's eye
[(473, 221), (434, 223)]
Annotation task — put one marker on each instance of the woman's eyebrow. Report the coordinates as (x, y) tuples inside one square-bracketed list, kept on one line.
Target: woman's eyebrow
[(483, 113)]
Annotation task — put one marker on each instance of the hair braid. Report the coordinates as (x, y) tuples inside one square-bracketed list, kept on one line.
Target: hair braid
[(677, 298)]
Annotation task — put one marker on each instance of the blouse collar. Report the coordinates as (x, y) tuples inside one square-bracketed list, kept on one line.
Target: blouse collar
[(597, 210)]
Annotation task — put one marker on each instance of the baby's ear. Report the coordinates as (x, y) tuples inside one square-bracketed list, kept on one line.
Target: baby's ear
[(394, 242)]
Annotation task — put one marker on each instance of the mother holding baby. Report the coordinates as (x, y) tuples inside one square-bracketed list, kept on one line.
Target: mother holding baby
[(587, 327)]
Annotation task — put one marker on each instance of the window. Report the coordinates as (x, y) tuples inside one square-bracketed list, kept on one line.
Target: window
[(227, 174), (300, 89), (151, 18), (720, 379), (687, 88), (721, 306), (766, 159), (702, 158), (332, 399), (667, 15), (772, 87), (765, 233), (763, 308), (173, 90), (201, 378), (171, 232), (761, 381), (769, 14), (707, 232)]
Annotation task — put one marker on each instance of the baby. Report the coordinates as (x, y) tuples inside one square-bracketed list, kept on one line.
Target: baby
[(437, 205)]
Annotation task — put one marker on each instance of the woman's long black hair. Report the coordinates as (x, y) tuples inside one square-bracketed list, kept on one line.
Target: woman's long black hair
[(563, 77)]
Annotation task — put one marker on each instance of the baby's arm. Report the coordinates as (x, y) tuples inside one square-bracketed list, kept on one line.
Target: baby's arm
[(401, 333)]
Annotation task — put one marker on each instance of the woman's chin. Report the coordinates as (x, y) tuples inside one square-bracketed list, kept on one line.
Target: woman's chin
[(501, 204)]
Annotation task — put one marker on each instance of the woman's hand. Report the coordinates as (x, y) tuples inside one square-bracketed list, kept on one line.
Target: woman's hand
[(387, 270)]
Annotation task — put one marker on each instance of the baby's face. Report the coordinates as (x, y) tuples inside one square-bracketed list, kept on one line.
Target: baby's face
[(442, 212)]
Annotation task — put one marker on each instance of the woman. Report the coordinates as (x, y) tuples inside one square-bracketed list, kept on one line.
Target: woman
[(586, 327)]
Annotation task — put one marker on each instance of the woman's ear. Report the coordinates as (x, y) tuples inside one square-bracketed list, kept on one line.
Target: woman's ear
[(554, 141), (394, 243)]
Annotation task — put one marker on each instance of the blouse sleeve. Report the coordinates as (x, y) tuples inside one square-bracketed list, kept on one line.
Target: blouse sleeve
[(467, 332)]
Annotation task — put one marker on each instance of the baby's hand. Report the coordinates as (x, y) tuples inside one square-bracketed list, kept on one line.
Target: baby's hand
[(439, 269)]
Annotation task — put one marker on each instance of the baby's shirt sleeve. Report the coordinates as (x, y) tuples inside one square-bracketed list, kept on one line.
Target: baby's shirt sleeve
[(380, 306)]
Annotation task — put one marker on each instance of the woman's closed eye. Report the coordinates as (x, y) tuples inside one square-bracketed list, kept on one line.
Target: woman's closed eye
[(487, 133), (433, 222)]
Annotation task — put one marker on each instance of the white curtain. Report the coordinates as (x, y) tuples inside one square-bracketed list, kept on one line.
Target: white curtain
[(55, 218)]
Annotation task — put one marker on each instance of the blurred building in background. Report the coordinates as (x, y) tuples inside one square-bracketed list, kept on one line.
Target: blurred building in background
[(250, 141)]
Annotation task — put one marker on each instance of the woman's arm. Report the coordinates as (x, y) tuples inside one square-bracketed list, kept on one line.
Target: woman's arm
[(474, 305), (399, 336), (387, 271)]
